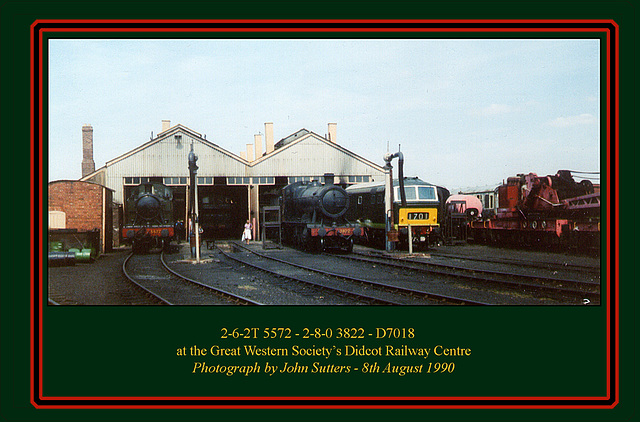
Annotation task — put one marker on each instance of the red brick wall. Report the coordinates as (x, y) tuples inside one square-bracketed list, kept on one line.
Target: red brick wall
[(81, 201)]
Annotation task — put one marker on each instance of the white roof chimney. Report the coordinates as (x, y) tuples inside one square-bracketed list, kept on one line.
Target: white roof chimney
[(249, 152), (268, 135), (257, 140), (333, 128)]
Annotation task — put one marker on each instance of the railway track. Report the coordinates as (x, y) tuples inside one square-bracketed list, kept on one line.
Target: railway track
[(569, 289), (385, 293), (354, 298), (137, 297), (108, 286), (152, 274), (590, 270)]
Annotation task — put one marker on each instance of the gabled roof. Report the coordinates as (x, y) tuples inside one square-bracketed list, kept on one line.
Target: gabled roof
[(304, 134), (170, 132), (91, 175), (282, 145), (291, 138)]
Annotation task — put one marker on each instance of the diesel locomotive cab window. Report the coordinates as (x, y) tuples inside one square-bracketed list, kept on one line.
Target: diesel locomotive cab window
[(426, 192), (409, 191)]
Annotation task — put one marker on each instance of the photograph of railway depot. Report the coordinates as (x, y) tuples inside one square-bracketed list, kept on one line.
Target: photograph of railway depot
[(324, 172)]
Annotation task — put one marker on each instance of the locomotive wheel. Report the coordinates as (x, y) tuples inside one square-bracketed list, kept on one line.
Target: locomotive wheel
[(349, 248)]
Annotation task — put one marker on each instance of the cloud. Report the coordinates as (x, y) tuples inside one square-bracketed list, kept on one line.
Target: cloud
[(580, 120)]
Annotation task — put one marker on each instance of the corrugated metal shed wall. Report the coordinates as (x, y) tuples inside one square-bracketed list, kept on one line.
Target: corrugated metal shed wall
[(312, 156), (169, 158)]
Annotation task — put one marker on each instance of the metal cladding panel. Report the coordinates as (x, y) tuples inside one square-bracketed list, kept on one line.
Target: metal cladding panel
[(313, 157), (169, 158)]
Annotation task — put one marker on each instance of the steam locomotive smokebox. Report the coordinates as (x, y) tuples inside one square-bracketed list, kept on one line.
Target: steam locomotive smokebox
[(148, 207)]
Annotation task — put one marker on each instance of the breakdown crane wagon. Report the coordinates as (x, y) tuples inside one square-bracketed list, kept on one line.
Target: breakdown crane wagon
[(548, 210)]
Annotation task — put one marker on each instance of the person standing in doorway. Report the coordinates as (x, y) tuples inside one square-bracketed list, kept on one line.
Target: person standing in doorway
[(246, 234)]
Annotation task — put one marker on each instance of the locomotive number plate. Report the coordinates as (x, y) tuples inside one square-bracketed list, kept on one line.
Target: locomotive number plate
[(157, 231), (418, 216), (150, 231)]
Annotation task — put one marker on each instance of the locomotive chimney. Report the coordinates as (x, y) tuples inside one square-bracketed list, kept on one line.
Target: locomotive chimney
[(88, 165), (333, 128), (257, 140), (268, 135), (329, 179)]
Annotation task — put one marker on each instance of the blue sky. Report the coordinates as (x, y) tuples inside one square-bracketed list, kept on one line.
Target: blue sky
[(465, 112)]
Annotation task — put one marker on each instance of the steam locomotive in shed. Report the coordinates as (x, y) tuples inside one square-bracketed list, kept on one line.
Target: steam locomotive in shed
[(423, 210), (148, 217), (547, 211), (220, 214), (313, 216)]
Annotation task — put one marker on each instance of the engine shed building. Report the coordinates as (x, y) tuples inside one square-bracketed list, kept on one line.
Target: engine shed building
[(249, 181)]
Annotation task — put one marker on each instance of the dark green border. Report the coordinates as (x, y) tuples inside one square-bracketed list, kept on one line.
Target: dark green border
[(14, 42)]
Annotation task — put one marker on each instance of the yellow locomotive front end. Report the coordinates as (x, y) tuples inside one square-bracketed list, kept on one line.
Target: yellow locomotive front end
[(424, 216), (423, 222)]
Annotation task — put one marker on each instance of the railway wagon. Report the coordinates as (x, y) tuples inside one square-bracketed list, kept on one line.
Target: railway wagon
[(148, 217), (424, 211), (313, 216), (461, 210), (552, 210)]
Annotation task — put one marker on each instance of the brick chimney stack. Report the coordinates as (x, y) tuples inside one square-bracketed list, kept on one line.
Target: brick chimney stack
[(88, 165)]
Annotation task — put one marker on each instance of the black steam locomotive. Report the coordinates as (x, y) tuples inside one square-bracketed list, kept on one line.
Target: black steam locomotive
[(148, 217), (313, 216)]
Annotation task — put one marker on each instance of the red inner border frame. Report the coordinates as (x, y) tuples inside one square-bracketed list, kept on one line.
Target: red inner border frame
[(608, 28)]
